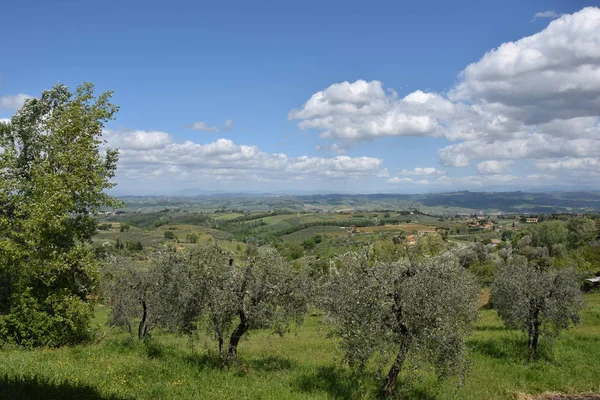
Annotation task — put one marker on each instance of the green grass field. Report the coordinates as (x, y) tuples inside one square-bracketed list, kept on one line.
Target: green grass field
[(302, 365)]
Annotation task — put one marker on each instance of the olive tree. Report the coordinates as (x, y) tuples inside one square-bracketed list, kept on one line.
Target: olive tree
[(264, 291), (536, 298), (145, 293), (390, 310), (53, 176)]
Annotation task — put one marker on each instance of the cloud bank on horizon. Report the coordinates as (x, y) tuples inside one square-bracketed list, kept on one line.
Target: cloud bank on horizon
[(528, 105)]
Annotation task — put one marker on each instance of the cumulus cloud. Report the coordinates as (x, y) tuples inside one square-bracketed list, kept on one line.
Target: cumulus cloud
[(536, 98), (137, 139), (493, 166), (554, 74), (13, 102), (150, 154), (203, 127), (364, 110)]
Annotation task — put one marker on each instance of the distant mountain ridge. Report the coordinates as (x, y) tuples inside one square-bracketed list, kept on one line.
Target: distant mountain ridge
[(435, 203)]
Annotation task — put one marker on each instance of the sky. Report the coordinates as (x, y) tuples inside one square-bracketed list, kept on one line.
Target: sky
[(325, 96)]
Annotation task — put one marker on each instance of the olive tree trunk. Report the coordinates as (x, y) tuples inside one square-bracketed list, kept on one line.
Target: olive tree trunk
[(533, 332), (143, 327), (237, 334), (389, 385)]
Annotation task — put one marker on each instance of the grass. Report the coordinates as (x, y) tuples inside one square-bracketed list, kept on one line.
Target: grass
[(302, 365), (312, 231)]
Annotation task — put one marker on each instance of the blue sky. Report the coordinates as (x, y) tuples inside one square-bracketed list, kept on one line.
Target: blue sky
[(406, 96)]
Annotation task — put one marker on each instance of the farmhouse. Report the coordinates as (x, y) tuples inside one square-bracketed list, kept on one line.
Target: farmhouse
[(532, 220)]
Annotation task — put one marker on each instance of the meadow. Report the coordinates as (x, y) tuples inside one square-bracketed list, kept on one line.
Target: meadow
[(303, 364)]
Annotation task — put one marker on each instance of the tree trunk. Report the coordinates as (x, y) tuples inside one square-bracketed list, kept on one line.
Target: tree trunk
[(389, 385), (217, 328), (142, 328), (235, 339), (533, 333)]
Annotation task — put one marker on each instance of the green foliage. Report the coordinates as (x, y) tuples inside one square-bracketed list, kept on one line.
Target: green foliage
[(192, 238), (395, 310), (291, 250), (141, 295), (582, 231), (548, 234), (185, 290), (301, 366), (52, 181), (309, 243), (485, 271), (169, 235), (134, 246), (536, 298), (105, 227)]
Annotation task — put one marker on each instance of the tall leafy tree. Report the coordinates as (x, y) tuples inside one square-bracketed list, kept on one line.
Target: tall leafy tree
[(53, 176), (582, 231)]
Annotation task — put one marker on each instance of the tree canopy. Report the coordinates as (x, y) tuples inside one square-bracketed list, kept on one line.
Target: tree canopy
[(393, 310), (537, 298), (54, 169)]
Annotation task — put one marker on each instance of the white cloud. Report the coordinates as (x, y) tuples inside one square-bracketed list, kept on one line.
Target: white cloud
[(536, 98), (568, 163), (396, 180), (428, 171), (5, 120), (493, 166), (554, 74), (228, 124), (137, 139), (364, 110), (145, 155), (13, 102), (546, 14), (336, 148), (203, 127)]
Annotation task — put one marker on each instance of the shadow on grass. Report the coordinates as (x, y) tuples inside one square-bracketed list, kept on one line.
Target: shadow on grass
[(410, 393), (206, 361), (32, 388), (510, 348), (271, 363), (336, 383), (214, 361), (506, 348), (154, 350)]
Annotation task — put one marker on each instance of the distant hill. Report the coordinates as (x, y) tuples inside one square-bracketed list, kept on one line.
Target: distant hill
[(434, 203)]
